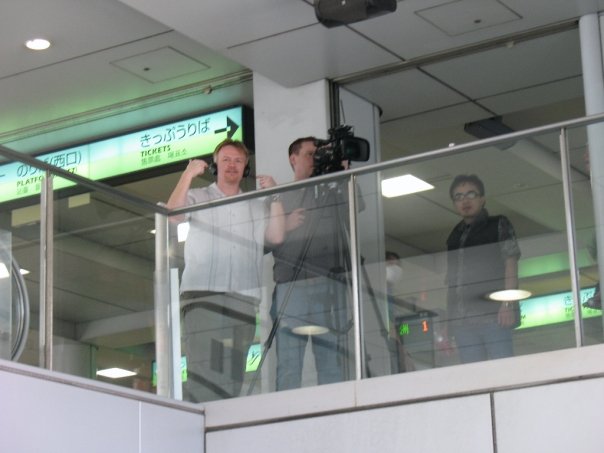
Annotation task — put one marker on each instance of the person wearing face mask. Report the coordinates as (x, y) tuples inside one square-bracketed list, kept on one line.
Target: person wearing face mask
[(482, 258), (394, 270), (222, 279), (400, 361)]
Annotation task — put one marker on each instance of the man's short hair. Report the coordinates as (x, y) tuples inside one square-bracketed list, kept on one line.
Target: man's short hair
[(294, 148), (230, 142), (463, 179)]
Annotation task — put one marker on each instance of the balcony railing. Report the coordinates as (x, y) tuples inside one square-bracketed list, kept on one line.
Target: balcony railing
[(104, 270)]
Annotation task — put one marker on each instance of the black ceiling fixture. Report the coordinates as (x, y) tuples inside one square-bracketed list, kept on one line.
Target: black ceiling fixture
[(333, 13), (488, 128)]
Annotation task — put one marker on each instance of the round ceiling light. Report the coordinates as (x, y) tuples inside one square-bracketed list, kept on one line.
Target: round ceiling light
[(509, 295), (37, 44), (310, 330)]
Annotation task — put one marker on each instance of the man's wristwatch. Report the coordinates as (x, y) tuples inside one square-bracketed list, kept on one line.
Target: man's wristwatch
[(275, 198)]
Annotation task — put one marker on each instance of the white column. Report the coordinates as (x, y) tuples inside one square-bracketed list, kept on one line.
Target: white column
[(283, 114), (593, 82)]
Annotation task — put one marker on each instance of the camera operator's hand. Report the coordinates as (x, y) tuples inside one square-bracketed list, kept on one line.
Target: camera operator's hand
[(265, 181), (294, 219)]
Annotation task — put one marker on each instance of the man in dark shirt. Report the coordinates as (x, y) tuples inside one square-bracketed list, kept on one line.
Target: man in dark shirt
[(310, 297), (482, 258)]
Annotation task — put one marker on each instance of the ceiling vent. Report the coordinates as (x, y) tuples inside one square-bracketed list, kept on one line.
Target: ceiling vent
[(333, 13)]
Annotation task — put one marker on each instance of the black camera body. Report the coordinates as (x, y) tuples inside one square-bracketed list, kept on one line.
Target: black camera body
[(341, 146)]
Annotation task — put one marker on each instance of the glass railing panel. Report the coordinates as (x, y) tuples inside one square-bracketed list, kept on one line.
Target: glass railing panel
[(586, 232), (547, 318), (103, 287), (258, 316), (254, 316), (6, 296), (444, 249), (20, 233), (378, 337)]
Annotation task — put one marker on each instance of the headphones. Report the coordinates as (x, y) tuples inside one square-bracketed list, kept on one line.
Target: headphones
[(213, 168)]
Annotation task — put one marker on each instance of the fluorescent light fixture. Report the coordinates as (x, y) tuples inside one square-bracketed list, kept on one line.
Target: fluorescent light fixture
[(182, 231), (403, 185), (23, 271), (115, 373), (37, 44), (509, 295)]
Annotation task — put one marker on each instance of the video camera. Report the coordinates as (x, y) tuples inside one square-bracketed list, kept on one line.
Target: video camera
[(342, 145)]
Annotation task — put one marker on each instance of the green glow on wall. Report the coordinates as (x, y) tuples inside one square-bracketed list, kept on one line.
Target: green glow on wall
[(548, 264), (183, 371), (137, 151)]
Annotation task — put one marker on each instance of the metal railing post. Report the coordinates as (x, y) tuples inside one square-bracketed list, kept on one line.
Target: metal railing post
[(163, 326), (359, 351), (571, 236), (46, 273)]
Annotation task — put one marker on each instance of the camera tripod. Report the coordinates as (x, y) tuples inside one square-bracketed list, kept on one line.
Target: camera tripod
[(327, 197)]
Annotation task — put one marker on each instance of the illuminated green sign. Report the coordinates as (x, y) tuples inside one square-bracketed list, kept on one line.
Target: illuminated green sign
[(128, 153), (253, 357), (553, 309), (183, 371)]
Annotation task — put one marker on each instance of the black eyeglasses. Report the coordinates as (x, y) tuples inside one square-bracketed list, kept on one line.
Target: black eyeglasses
[(470, 195)]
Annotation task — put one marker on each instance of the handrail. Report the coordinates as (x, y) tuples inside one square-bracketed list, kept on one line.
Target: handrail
[(380, 166), (372, 168), (350, 174), (86, 182)]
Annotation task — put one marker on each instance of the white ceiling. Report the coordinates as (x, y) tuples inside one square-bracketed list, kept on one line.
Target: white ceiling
[(81, 88), (431, 66)]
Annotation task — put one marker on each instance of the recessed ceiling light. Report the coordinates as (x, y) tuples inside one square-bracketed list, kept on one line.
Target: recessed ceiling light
[(37, 44), (403, 185), (115, 373), (309, 330)]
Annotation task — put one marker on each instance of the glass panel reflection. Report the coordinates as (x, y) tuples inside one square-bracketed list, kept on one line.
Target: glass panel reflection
[(263, 286), (104, 259), (20, 221), (6, 296), (261, 312), (447, 248), (312, 298), (586, 231)]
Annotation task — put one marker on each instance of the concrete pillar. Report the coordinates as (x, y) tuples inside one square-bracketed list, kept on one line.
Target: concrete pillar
[(590, 27), (283, 114)]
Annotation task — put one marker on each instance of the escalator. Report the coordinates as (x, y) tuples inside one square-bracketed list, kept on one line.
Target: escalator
[(14, 306)]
